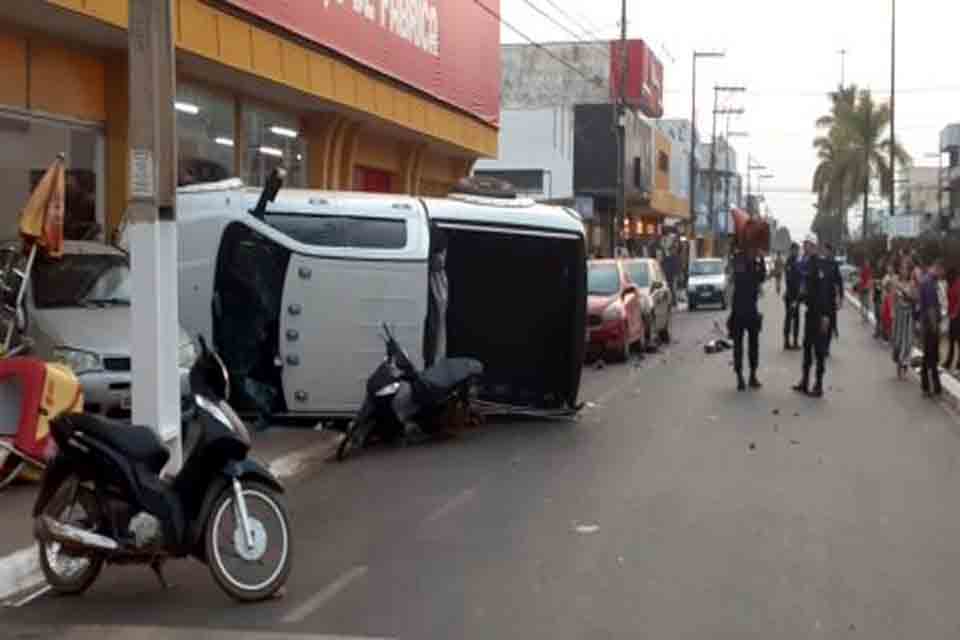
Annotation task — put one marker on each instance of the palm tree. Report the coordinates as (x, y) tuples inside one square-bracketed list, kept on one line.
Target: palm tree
[(833, 198), (854, 152)]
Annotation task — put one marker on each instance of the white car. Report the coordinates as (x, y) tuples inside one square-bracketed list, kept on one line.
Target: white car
[(656, 300), (707, 283), (78, 313)]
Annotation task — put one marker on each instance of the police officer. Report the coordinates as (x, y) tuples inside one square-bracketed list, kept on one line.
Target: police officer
[(837, 280), (791, 299), (749, 273), (819, 296)]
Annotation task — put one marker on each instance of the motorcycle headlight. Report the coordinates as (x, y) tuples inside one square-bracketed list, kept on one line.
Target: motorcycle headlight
[(613, 312), (186, 354), (79, 361)]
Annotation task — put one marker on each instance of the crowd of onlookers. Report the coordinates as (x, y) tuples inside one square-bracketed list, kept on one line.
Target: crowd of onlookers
[(915, 304)]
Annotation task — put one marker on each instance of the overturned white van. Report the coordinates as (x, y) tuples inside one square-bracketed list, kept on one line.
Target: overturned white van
[(294, 292)]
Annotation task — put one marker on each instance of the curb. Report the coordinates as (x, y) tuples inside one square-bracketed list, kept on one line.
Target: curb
[(951, 386), (20, 571)]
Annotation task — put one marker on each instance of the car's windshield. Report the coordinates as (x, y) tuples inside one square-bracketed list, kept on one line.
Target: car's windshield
[(603, 280), (706, 268), (639, 273), (81, 281)]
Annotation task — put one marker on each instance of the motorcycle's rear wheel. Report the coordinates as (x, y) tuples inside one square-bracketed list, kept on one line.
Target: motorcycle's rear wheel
[(69, 574), (257, 572)]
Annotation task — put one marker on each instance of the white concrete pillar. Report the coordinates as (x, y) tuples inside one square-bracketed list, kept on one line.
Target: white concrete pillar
[(155, 332)]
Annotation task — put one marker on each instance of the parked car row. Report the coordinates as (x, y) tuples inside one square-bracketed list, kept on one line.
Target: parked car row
[(629, 306)]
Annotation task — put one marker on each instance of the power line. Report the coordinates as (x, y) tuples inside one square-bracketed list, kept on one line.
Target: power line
[(546, 15), (587, 32), (536, 44)]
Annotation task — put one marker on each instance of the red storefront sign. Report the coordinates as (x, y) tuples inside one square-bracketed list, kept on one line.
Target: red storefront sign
[(449, 49), (644, 81)]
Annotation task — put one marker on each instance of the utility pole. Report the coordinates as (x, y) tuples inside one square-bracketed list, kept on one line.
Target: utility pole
[(713, 151), (153, 228), (616, 225), (693, 136)]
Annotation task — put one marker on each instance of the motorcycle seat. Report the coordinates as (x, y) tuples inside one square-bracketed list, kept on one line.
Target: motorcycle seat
[(450, 372), (139, 444)]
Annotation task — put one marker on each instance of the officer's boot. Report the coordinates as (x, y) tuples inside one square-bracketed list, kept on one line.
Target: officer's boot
[(754, 382), (741, 384), (817, 391), (804, 384)]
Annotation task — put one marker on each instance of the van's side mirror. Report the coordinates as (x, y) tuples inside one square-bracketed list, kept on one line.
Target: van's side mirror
[(269, 193)]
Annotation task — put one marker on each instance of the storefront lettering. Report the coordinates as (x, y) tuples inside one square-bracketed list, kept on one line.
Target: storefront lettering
[(416, 21)]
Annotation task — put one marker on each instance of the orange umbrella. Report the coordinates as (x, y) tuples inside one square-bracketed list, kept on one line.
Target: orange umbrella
[(41, 222), (751, 231)]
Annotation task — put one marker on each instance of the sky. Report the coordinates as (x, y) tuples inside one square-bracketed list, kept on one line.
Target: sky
[(787, 56)]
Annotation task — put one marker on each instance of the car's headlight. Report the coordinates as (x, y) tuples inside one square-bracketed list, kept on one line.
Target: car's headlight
[(613, 312), (79, 361), (186, 354)]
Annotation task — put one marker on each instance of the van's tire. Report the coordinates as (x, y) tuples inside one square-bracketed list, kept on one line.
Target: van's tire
[(64, 579), (273, 508)]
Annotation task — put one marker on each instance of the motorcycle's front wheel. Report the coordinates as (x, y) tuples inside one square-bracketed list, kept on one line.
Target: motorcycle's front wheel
[(255, 569), (69, 574)]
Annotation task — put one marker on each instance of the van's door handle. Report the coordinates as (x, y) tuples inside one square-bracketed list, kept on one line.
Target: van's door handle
[(293, 360), (295, 309), (305, 273)]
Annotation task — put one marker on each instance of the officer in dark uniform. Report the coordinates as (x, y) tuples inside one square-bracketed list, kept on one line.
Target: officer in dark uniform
[(820, 299), (837, 280), (793, 277), (749, 273)]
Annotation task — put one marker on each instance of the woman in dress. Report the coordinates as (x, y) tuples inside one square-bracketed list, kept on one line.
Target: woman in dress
[(905, 294)]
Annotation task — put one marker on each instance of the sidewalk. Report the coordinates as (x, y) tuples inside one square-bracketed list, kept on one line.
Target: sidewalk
[(951, 386), (287, 452)]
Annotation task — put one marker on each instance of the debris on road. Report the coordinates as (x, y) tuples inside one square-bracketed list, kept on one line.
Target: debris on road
[(752, 446), (586, 528), (776, 412), (794, 442), (776, 428), (796, 414)]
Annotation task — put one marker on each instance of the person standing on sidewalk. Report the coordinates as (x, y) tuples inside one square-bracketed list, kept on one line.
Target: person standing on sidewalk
[(778, 267), (865, 289), (671, 270), (791, 299), (930, 324), (905, 295), (820, 296), (749, 272), (879, 292), (953, 317)]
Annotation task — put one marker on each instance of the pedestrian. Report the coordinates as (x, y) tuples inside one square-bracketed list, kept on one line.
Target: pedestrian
[(791, 299), (819, 296), (778, 267), (887, 296), (879, 295), (749, 272), (833, 270), (671, 270), (930, 324), (953, 316), (865, 288), (905, 295)]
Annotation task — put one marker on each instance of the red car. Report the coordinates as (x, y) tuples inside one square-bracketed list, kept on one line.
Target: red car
[(614, 314)]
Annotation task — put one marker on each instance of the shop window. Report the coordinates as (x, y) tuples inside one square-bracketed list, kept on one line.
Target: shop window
[(273, 140), (205, 135), (28, 146)]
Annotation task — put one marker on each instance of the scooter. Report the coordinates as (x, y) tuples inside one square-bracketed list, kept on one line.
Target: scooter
[(402, 403), (103, 500)]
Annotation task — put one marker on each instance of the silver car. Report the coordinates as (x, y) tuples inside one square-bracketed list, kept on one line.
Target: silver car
[(707, 283), (78, 313)]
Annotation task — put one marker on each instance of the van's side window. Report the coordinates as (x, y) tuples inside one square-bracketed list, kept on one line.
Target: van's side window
[(376, 233), (321, 231), (341, 231)]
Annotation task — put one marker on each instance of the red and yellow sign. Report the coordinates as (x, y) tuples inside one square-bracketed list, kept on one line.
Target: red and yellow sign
[(449, 49)]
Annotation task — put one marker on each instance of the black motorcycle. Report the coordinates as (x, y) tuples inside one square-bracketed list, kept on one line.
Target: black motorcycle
[(400, 399), (103, 499)]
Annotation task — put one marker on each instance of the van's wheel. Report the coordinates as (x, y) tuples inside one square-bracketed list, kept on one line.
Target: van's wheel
[(254, 572), (69, 574)]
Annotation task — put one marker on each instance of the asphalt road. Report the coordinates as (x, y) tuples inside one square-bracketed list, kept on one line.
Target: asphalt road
[(674, 507)]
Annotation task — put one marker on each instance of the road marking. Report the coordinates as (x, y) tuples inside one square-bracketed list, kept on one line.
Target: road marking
[(33, 596), (451, 505), (325, 595), (173, 633)]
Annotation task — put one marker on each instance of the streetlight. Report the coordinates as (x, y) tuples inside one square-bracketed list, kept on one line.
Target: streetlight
[(693, 130), (939, 157), (728, 171)]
